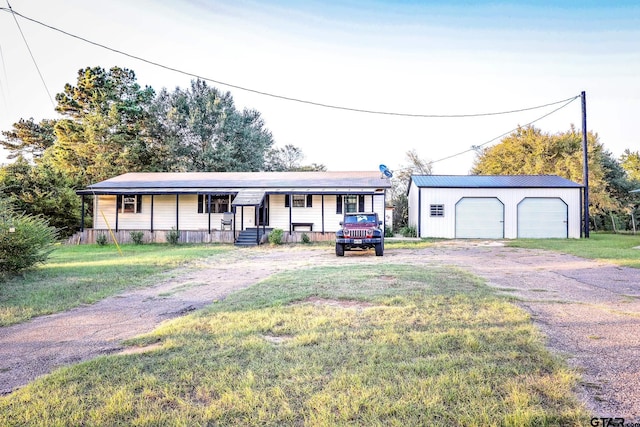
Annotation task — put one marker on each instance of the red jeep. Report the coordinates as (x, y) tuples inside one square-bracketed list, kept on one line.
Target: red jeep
[(360, 230)]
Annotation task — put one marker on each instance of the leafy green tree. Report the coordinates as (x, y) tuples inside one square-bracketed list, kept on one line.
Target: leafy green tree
[(630, 162), (201, 130), (28, 138), (400, 183), (41, 190), (312, 167), (288, 158), (25, 240), (105, 131), (529, 151)]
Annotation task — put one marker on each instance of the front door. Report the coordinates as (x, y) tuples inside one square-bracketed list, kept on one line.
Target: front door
[(263, 212)]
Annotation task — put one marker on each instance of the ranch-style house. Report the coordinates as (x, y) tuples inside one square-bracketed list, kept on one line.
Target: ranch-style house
[(239, 207)]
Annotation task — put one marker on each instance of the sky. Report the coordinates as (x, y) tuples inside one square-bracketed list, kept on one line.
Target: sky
[(403, 57)]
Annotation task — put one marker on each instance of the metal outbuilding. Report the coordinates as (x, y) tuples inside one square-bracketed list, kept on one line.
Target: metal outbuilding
[(495, 207)]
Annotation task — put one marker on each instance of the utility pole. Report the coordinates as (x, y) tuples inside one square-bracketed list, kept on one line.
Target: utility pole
[(585, 165)]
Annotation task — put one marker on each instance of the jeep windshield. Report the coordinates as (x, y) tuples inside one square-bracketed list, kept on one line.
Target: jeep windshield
[(360, 219)]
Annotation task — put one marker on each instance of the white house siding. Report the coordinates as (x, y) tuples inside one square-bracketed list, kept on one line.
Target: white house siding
[(104, 206), (444, 227), (279, 214), (378, 206), (164, 212)]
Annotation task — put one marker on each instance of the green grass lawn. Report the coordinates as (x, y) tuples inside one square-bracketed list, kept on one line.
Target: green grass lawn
[(364, 345), (84, 274), (614, 248)]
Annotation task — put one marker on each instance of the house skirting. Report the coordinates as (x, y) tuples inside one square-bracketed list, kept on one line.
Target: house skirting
[(89, 235)]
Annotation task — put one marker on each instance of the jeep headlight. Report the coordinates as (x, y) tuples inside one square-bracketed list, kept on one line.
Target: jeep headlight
[(370, 232), (345, 232)]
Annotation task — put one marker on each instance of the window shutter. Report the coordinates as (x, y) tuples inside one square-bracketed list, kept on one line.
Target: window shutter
[(200, 203), (287, 200), (361, 203), (118, 202), (138, 203), (309, 200), (338, 204)]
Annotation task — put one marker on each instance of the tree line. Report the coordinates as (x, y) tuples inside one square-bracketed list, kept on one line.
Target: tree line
[(530, 151), (110, 125)]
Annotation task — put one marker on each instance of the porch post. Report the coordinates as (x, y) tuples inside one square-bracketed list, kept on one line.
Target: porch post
[(323, 214), (177, 209), (384, 210), (152, 214), (234, 209), (290, 214), (256, 211), (117, 212), (264, 214), (209, 210), (82, 215)]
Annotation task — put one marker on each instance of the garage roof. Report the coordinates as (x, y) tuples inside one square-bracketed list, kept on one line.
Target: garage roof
[(493, 181)]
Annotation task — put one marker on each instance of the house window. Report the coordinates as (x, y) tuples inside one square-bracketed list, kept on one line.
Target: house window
[(436, 210), (351, 203), (219, 204), (298, 200), (129, 203)]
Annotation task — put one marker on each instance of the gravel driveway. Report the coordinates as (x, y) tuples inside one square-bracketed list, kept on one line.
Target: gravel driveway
[(589, 311)]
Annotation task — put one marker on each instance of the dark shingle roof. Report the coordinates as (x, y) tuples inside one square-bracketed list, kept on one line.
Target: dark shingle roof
[(186, 181), (493, 181)]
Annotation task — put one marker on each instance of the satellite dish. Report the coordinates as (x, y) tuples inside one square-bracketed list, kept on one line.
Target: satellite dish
[(385, 170)]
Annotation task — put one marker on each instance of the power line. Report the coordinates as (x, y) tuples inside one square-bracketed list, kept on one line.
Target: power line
[(286, 98), (475, 147), (31, 54), (4, 82)]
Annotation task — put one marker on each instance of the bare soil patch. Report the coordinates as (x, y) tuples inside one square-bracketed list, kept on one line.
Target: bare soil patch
[(589, 311)]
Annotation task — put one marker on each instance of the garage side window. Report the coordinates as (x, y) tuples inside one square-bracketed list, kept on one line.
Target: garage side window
[(436, 210)]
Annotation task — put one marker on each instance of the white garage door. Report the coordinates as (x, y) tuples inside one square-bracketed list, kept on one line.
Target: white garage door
[(479, 218), (542, 217)]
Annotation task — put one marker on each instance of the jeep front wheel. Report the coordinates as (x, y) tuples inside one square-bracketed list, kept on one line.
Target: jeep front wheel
[(379, 249), (339, 249)]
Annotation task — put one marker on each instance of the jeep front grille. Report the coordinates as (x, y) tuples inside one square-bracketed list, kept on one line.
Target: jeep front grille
[(358, 234)]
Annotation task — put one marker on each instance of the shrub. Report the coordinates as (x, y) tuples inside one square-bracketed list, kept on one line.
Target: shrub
[(101, 239), (408, 231), (173, 236), (25, 240), (305, 238), (137, 237), (388, 232), (275, 237)]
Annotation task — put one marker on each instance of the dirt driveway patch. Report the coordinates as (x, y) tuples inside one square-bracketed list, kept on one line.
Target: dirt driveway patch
[(589, 311)]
